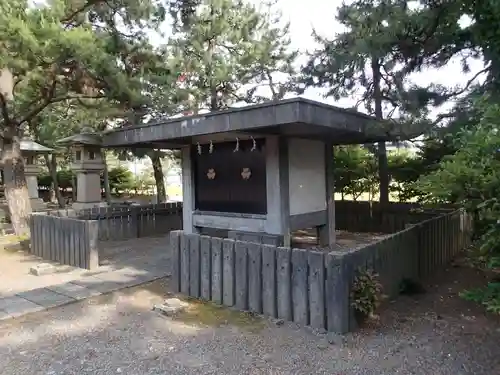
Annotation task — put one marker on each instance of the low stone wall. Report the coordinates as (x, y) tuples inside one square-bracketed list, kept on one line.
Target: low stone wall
[(305, 286)]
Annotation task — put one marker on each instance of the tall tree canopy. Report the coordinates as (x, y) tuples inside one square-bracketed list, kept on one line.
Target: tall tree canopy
[(357, 62), (225, 49), (75, 51), (384, 43)]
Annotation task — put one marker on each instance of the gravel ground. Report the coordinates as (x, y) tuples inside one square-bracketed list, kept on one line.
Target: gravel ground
[(345, 241), (436, 334)]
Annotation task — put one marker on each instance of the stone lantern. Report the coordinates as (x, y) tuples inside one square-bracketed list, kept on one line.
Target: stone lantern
[(30, 151), (87, 163)]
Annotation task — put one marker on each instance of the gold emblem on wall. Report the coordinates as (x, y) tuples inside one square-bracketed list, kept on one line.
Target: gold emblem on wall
[(246, 173), (211, 174)]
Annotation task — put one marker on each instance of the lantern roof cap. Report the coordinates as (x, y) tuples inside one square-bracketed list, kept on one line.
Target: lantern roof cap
[(86, 137), (28, 145)]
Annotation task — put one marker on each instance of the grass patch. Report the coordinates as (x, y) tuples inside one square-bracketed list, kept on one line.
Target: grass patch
[(13, 243), (210, 314), (12, 238), (487, 295)]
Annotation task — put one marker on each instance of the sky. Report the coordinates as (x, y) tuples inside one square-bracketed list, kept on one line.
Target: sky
[(319, 15), (304, 16)]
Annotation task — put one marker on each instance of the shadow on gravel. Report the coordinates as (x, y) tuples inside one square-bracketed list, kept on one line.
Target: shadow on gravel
[(436, 333)]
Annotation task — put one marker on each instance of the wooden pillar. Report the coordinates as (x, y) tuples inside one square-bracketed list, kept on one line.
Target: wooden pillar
[(278, 194), (284, 166), (327, 235), (187, 190)]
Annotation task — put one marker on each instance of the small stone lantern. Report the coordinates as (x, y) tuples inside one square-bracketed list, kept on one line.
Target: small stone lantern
[(87, 163), (30, 151)]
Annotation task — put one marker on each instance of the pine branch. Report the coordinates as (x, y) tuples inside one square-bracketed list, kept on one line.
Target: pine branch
[(46, 102), (83, 8)]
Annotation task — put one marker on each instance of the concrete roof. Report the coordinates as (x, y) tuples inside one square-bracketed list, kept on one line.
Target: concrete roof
[(295, 117)]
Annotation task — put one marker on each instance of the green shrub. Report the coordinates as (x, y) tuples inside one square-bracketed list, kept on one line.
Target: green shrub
[(488, 297), (366, 293)]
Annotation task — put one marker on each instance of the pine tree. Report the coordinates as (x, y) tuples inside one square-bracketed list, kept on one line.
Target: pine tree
[(359, 62), (226, 48), (277, 61), (66, 50)]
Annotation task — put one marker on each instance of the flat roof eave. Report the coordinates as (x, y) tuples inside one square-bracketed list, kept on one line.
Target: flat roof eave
[(296, 117)]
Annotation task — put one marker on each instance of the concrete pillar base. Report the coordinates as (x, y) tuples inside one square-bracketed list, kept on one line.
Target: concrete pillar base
[(261, 238), (37, 204), (86, 205)]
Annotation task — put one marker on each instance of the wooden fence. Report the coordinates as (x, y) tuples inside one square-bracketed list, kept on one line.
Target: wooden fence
[(365, 216), (125, 222), (415, 252), (65, 240), (73, 237), (305, 286)]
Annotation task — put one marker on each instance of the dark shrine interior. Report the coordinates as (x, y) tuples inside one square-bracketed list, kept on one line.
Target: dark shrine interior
[(230, 177)]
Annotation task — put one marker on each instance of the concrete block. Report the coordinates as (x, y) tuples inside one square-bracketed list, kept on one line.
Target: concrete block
[(228, 276), (175, 248), (269, 295), (108, 287), (46, 297), (241, 275), (166, 310), (175, 302), (338, 307), (171, 307), (95, 283), (194, 265), (317, 289), (284, 283), (75, 291), (92, 256), (255, 277), (300, 298), (206, 267), (272, 239), (43, 269), (184, 266), (217, 270), (16, 306)]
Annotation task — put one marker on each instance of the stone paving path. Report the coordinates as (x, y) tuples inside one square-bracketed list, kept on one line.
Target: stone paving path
[(125, 264), (88, 285)]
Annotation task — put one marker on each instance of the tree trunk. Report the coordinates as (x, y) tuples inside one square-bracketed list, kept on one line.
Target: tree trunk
[(158, 174), (16, 189), (51, 163), (383, 167), (107, 188), (73, 187), (383, 173)]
